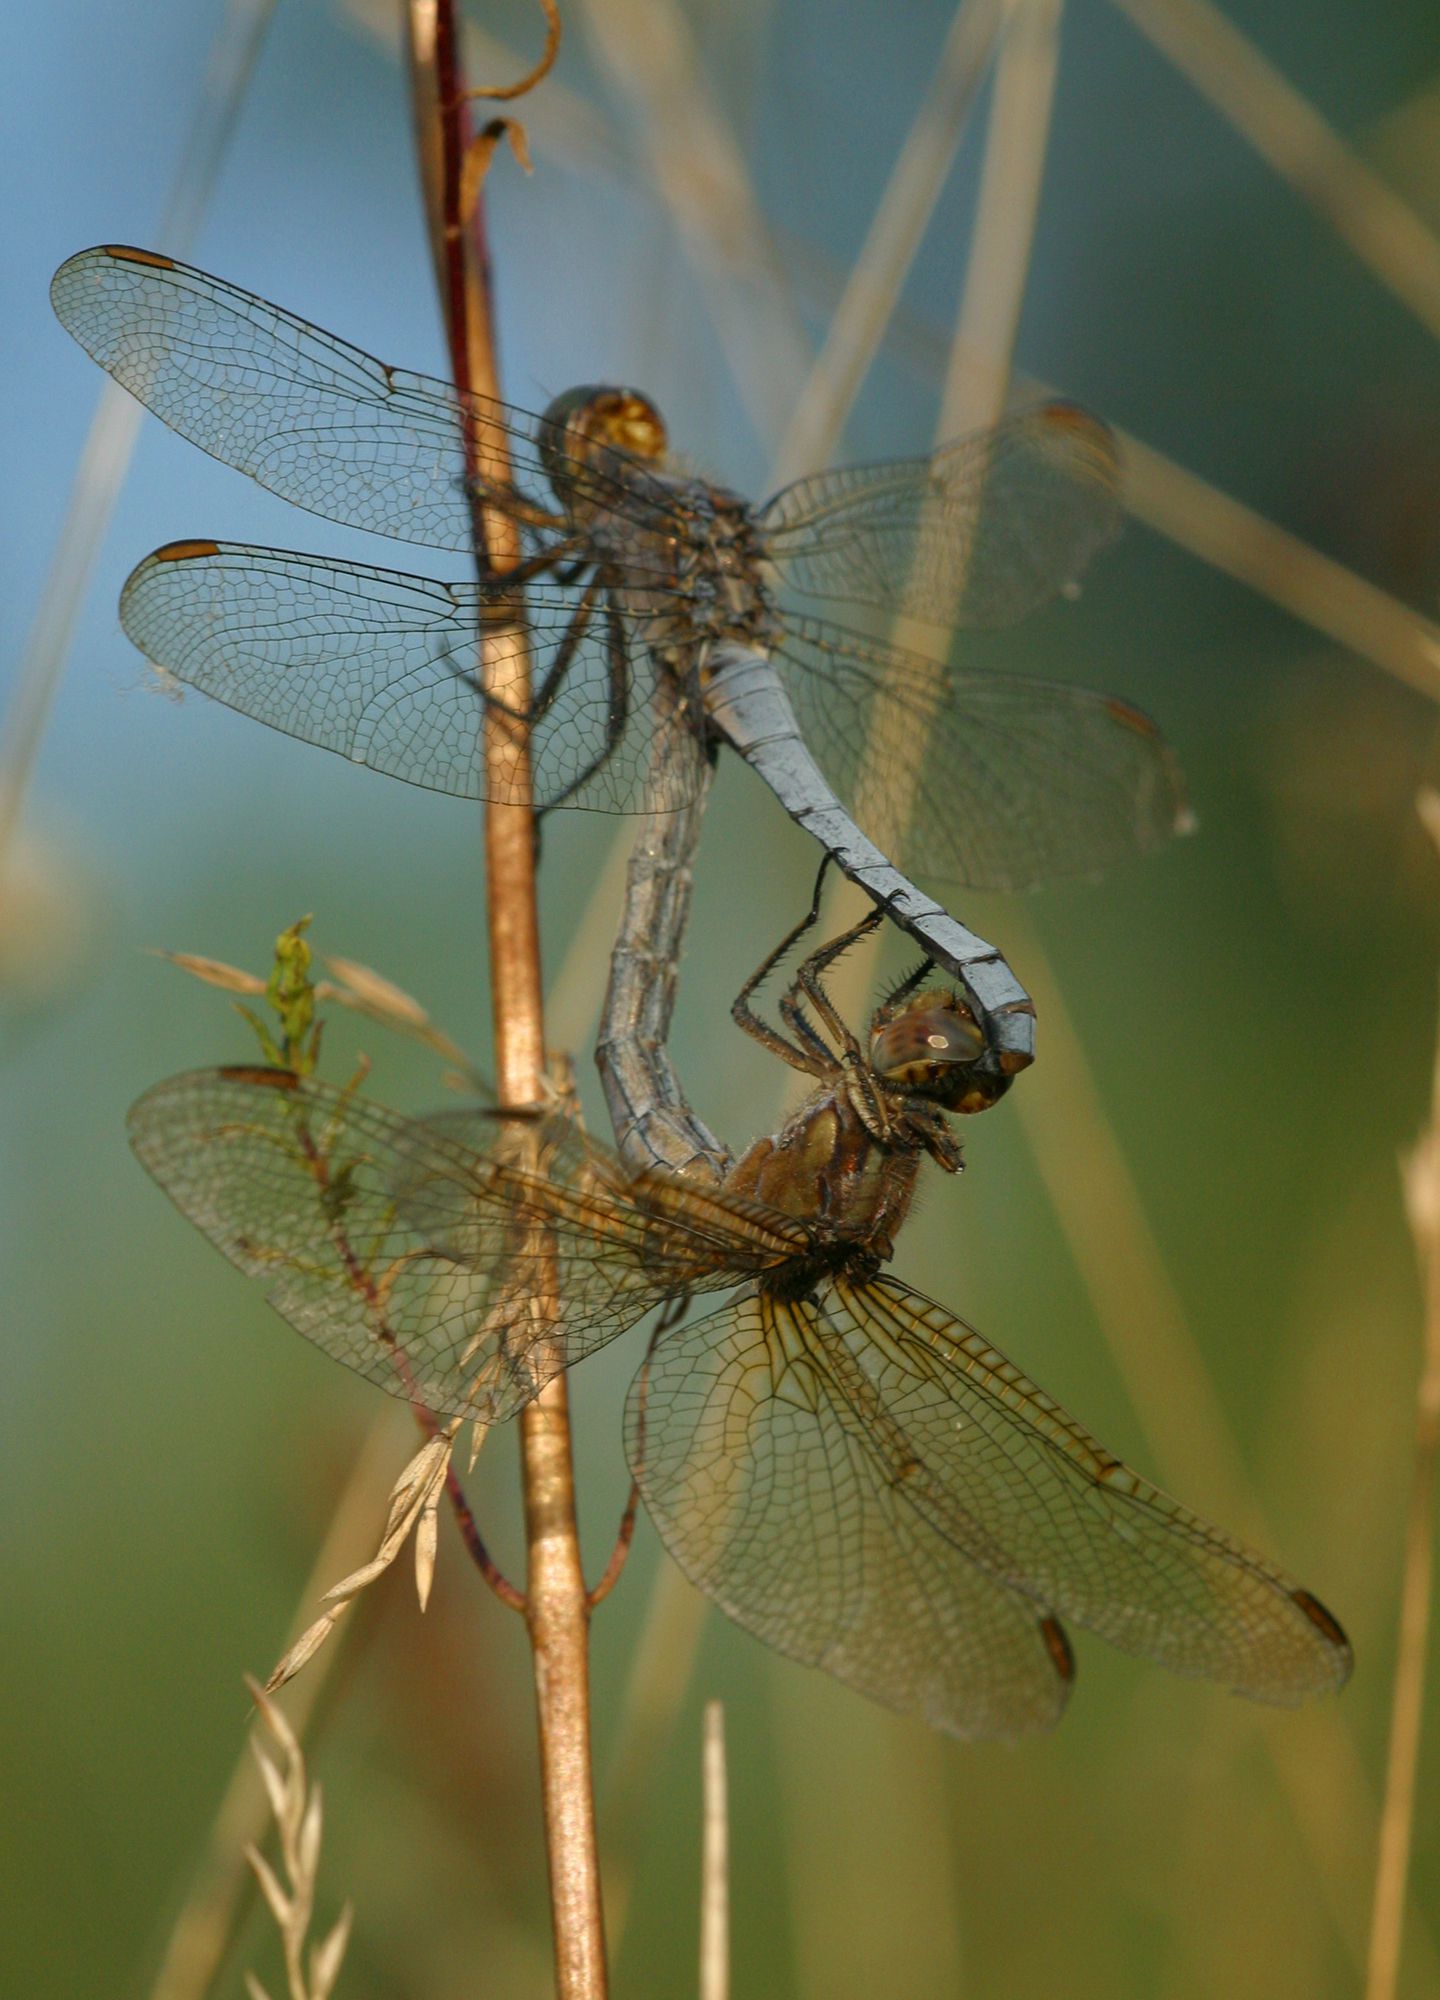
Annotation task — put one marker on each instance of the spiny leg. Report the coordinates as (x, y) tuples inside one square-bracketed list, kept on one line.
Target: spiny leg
[(811, 1055)]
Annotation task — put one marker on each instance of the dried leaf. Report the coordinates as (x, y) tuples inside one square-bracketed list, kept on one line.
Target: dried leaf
[(274, 1783), (326, 1957), (273, 1717), (427, 1534), (305, 1648), (215, 972), (308, 1851), (379, 991), (254, 1988)]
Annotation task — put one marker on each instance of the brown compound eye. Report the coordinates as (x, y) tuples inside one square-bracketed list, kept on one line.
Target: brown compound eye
[(584, 423), (927, 1045)]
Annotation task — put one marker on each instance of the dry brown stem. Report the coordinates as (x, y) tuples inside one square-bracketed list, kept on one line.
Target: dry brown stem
[(557, 1608)]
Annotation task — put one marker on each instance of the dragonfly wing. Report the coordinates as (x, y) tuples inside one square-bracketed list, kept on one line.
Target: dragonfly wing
[(1003, 1473), (383, 667), (996, 781), (774, 1501), (401, 1250), (980, 533), (306, 414), (314, 419)]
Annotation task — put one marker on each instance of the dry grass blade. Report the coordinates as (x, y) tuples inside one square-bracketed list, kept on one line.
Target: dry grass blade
[(1181, 1417), (1298, 146), (868, 300), (977, 379), (105, 457), (311, 1970), (977, 376), (414, 1499), (367, 992), (202, 1933), (1397, 1817), (697, 167), (661, 1665), (1197, 516), (1233, 538), (714, 1861)]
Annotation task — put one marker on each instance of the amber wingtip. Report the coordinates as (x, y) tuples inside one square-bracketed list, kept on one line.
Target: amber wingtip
[(183, 551), (126, 253), (258, 1074), (1059, 1648), (1325, 1622)]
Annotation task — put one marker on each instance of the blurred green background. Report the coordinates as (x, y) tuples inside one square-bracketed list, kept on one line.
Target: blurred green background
[(1256, 1011)]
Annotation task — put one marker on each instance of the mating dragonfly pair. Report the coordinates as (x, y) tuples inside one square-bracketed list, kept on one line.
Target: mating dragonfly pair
[(845, 1467)]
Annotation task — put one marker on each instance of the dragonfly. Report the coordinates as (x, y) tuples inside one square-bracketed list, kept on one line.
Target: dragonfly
[(850, 1471), (630, 575)]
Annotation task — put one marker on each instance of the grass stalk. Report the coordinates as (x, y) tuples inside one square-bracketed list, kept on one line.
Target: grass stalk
[(1298, 146), (1397, 1814), (557, 1609), (105, 455), (867, 300), (714, 1861)]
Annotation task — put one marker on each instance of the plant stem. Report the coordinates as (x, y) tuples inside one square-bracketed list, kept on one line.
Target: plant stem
[(557, 1609), (1397, 1817)]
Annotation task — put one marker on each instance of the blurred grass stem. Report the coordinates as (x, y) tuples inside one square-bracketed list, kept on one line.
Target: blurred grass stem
[(1298, 146), (557, 1609), (714, 1861), (222, 1886), (1397, 1816), (105, 455), (867, 301)]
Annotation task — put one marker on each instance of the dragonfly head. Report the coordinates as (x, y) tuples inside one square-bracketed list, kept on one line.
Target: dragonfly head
[(929, 1044), (583, 426)]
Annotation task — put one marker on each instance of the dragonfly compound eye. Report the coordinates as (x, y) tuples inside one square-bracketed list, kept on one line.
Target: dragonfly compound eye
[(583, 424), (928, 1045)]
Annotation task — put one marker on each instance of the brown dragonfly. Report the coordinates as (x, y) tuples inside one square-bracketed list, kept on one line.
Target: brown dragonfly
[(849, 1470)]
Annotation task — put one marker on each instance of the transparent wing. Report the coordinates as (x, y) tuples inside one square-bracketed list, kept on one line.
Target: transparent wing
[(980, 533), (998, 1469), (774, 1501), (412, 1256), (307, 415), (383, 668), (997, 781)]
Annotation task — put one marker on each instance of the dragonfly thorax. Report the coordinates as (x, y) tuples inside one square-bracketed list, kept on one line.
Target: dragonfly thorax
[(826, 1166), (687, 558)]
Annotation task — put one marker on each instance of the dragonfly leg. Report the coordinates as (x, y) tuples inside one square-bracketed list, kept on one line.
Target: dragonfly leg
[(807, 976), (617, 657), (544, 563), (564, 655), (807, 1052)]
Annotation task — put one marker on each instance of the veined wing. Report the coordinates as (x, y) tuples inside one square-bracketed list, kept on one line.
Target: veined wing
[(304, 413), (413, 1257), (980, 533), (383, 668), (999, 1470), (997, 781), (776, 1503)]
